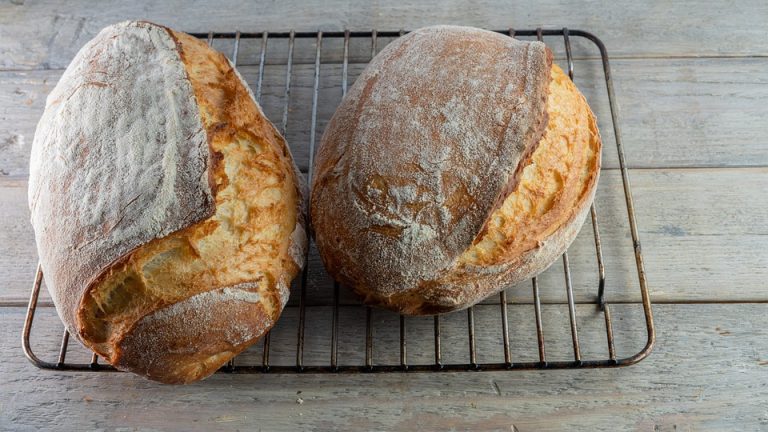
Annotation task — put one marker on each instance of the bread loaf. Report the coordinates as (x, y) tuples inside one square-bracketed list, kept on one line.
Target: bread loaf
[(167, 209), (461, 161)]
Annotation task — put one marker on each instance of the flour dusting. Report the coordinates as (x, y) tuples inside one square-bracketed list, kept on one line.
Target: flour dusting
[(420, 151)]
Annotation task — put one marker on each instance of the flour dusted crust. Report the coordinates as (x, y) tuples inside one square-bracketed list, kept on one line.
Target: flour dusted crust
[(151, 165), (423, 172), (97, 188)]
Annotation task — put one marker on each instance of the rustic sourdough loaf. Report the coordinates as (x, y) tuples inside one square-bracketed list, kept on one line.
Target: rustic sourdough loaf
[(167, 210), (461, 161)]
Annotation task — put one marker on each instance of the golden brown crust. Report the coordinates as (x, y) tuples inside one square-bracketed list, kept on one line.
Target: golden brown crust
[(199, 334), (537, 216), (178, 306), (556, 181)]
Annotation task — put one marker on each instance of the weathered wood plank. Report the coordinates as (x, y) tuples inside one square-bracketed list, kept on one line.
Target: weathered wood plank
[(47, 34), (684, 113), (707, 373), (19, 250), (673, 112), (703, 240)]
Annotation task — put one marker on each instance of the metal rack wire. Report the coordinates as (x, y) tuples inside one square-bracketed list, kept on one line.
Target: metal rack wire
[(369, 365)]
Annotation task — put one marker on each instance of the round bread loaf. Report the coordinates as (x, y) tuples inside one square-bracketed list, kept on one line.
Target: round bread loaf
[(167, 209), (460, 162)]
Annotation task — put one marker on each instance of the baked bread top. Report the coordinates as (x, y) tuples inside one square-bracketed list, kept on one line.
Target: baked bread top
[(414, 172), (167, 209)]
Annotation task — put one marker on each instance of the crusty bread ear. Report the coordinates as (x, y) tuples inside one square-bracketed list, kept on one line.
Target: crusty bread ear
[(166, 207), (454, 166)]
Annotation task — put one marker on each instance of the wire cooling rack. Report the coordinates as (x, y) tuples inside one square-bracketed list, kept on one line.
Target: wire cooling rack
[(427, 341)]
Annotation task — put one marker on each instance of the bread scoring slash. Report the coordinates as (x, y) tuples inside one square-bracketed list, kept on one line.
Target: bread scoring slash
[(168, 212), (461, 161)]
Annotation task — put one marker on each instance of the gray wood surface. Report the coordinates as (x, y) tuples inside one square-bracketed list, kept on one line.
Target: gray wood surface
[(708, 372), (691, 80), (674, 113), (48, 33)]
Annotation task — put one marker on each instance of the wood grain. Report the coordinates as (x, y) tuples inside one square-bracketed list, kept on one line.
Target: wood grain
[(674, 113), (708, 372), (46, 34), (691, 84), (701, 235)]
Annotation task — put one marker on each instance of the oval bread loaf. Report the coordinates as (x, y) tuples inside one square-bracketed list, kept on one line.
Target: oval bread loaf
[(167, 210), (461, 161)]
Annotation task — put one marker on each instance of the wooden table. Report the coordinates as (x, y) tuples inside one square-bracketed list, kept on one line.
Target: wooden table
[(692, 83)]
